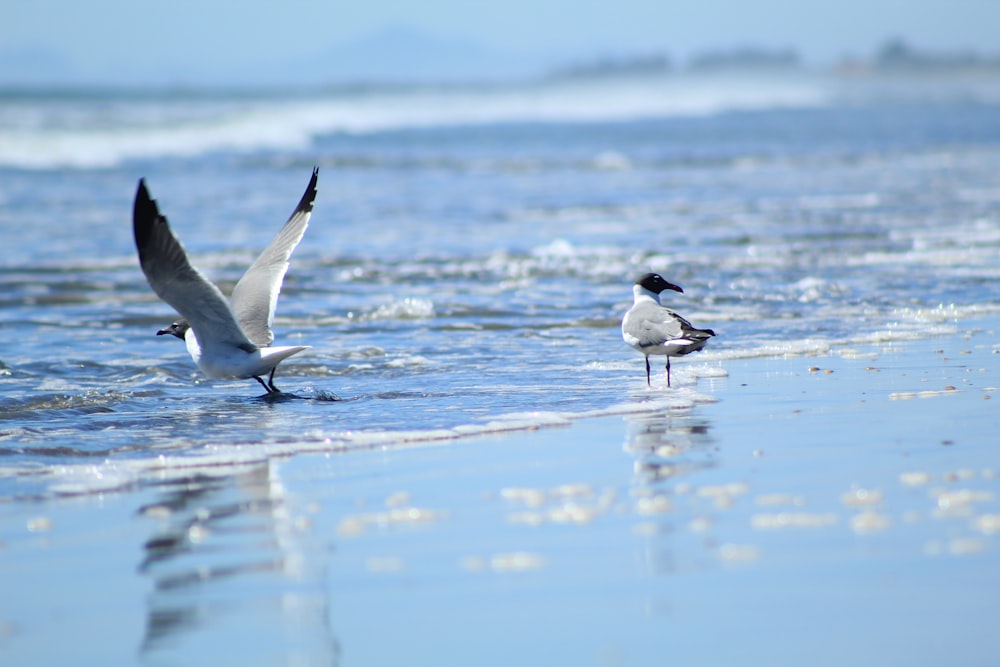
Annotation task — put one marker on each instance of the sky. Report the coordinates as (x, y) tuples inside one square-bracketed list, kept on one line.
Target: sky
[(199, 41)]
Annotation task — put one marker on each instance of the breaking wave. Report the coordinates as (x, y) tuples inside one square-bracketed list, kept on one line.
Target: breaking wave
[(104, 130)]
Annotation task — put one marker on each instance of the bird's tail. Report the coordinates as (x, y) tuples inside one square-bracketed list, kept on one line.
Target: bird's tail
[(280, 353)]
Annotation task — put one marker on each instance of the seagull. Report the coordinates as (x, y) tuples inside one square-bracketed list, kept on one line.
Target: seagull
[(654, 329), (228, 340)]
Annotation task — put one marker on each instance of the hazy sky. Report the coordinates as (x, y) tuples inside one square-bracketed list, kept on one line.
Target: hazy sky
[(178, 39)]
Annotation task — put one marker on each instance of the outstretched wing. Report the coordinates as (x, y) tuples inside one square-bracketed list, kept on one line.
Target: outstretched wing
[(255, 296), (174, 280)]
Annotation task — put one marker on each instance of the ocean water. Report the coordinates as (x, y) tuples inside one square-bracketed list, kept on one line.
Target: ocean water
[(471, 252)]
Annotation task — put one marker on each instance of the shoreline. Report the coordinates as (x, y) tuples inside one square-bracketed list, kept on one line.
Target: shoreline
[(125, 474)]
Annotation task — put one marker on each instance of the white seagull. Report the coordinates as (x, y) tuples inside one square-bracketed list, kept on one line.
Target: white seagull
[(229, 340), (654, 329)]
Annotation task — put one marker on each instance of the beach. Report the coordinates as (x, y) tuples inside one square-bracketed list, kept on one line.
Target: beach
[(466, 466), (831, 508)]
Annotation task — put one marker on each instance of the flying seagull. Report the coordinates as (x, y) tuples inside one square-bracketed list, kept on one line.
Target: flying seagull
[(227, 339), (654, 329)]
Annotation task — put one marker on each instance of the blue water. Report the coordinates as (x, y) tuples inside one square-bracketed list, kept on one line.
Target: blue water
[(471, 251)]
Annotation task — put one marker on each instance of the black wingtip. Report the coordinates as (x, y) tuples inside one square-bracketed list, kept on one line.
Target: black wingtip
[(144, 215), (141, 191), (309, 196)]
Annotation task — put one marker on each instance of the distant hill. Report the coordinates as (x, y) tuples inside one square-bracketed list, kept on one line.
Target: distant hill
[(404, 55), (392, 55)]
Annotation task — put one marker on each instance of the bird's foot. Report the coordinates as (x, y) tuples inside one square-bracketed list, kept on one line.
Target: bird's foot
[(268, 386)]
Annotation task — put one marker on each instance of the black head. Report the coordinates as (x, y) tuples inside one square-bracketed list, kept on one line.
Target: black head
[(655, 283), (178, 328)]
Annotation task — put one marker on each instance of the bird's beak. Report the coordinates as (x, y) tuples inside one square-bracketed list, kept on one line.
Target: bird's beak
[(676, 288), (164, 331)]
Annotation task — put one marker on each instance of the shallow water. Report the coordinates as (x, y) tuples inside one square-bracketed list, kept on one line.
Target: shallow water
[(471, 252)]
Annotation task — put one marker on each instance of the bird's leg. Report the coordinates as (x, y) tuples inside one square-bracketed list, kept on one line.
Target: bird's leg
[(270, 382), (668, 371), (648, 383), (262, 383)]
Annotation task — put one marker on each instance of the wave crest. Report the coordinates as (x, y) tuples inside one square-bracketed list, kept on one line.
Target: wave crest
[(101, 130)]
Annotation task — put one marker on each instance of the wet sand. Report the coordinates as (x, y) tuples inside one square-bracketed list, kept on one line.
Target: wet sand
[(823, 510)]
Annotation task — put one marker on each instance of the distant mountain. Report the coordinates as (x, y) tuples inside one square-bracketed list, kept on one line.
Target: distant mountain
[(392, 55), (404, 55)]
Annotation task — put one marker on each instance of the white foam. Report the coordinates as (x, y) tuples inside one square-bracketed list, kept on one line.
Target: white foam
[(222, 460), (404, 309)]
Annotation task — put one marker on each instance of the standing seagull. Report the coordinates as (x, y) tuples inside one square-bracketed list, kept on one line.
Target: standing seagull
[(227, 341), (653, 329)]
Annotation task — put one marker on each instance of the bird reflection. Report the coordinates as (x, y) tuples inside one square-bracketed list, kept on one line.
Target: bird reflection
[(666, 445), (668, 448), (234, 571)]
